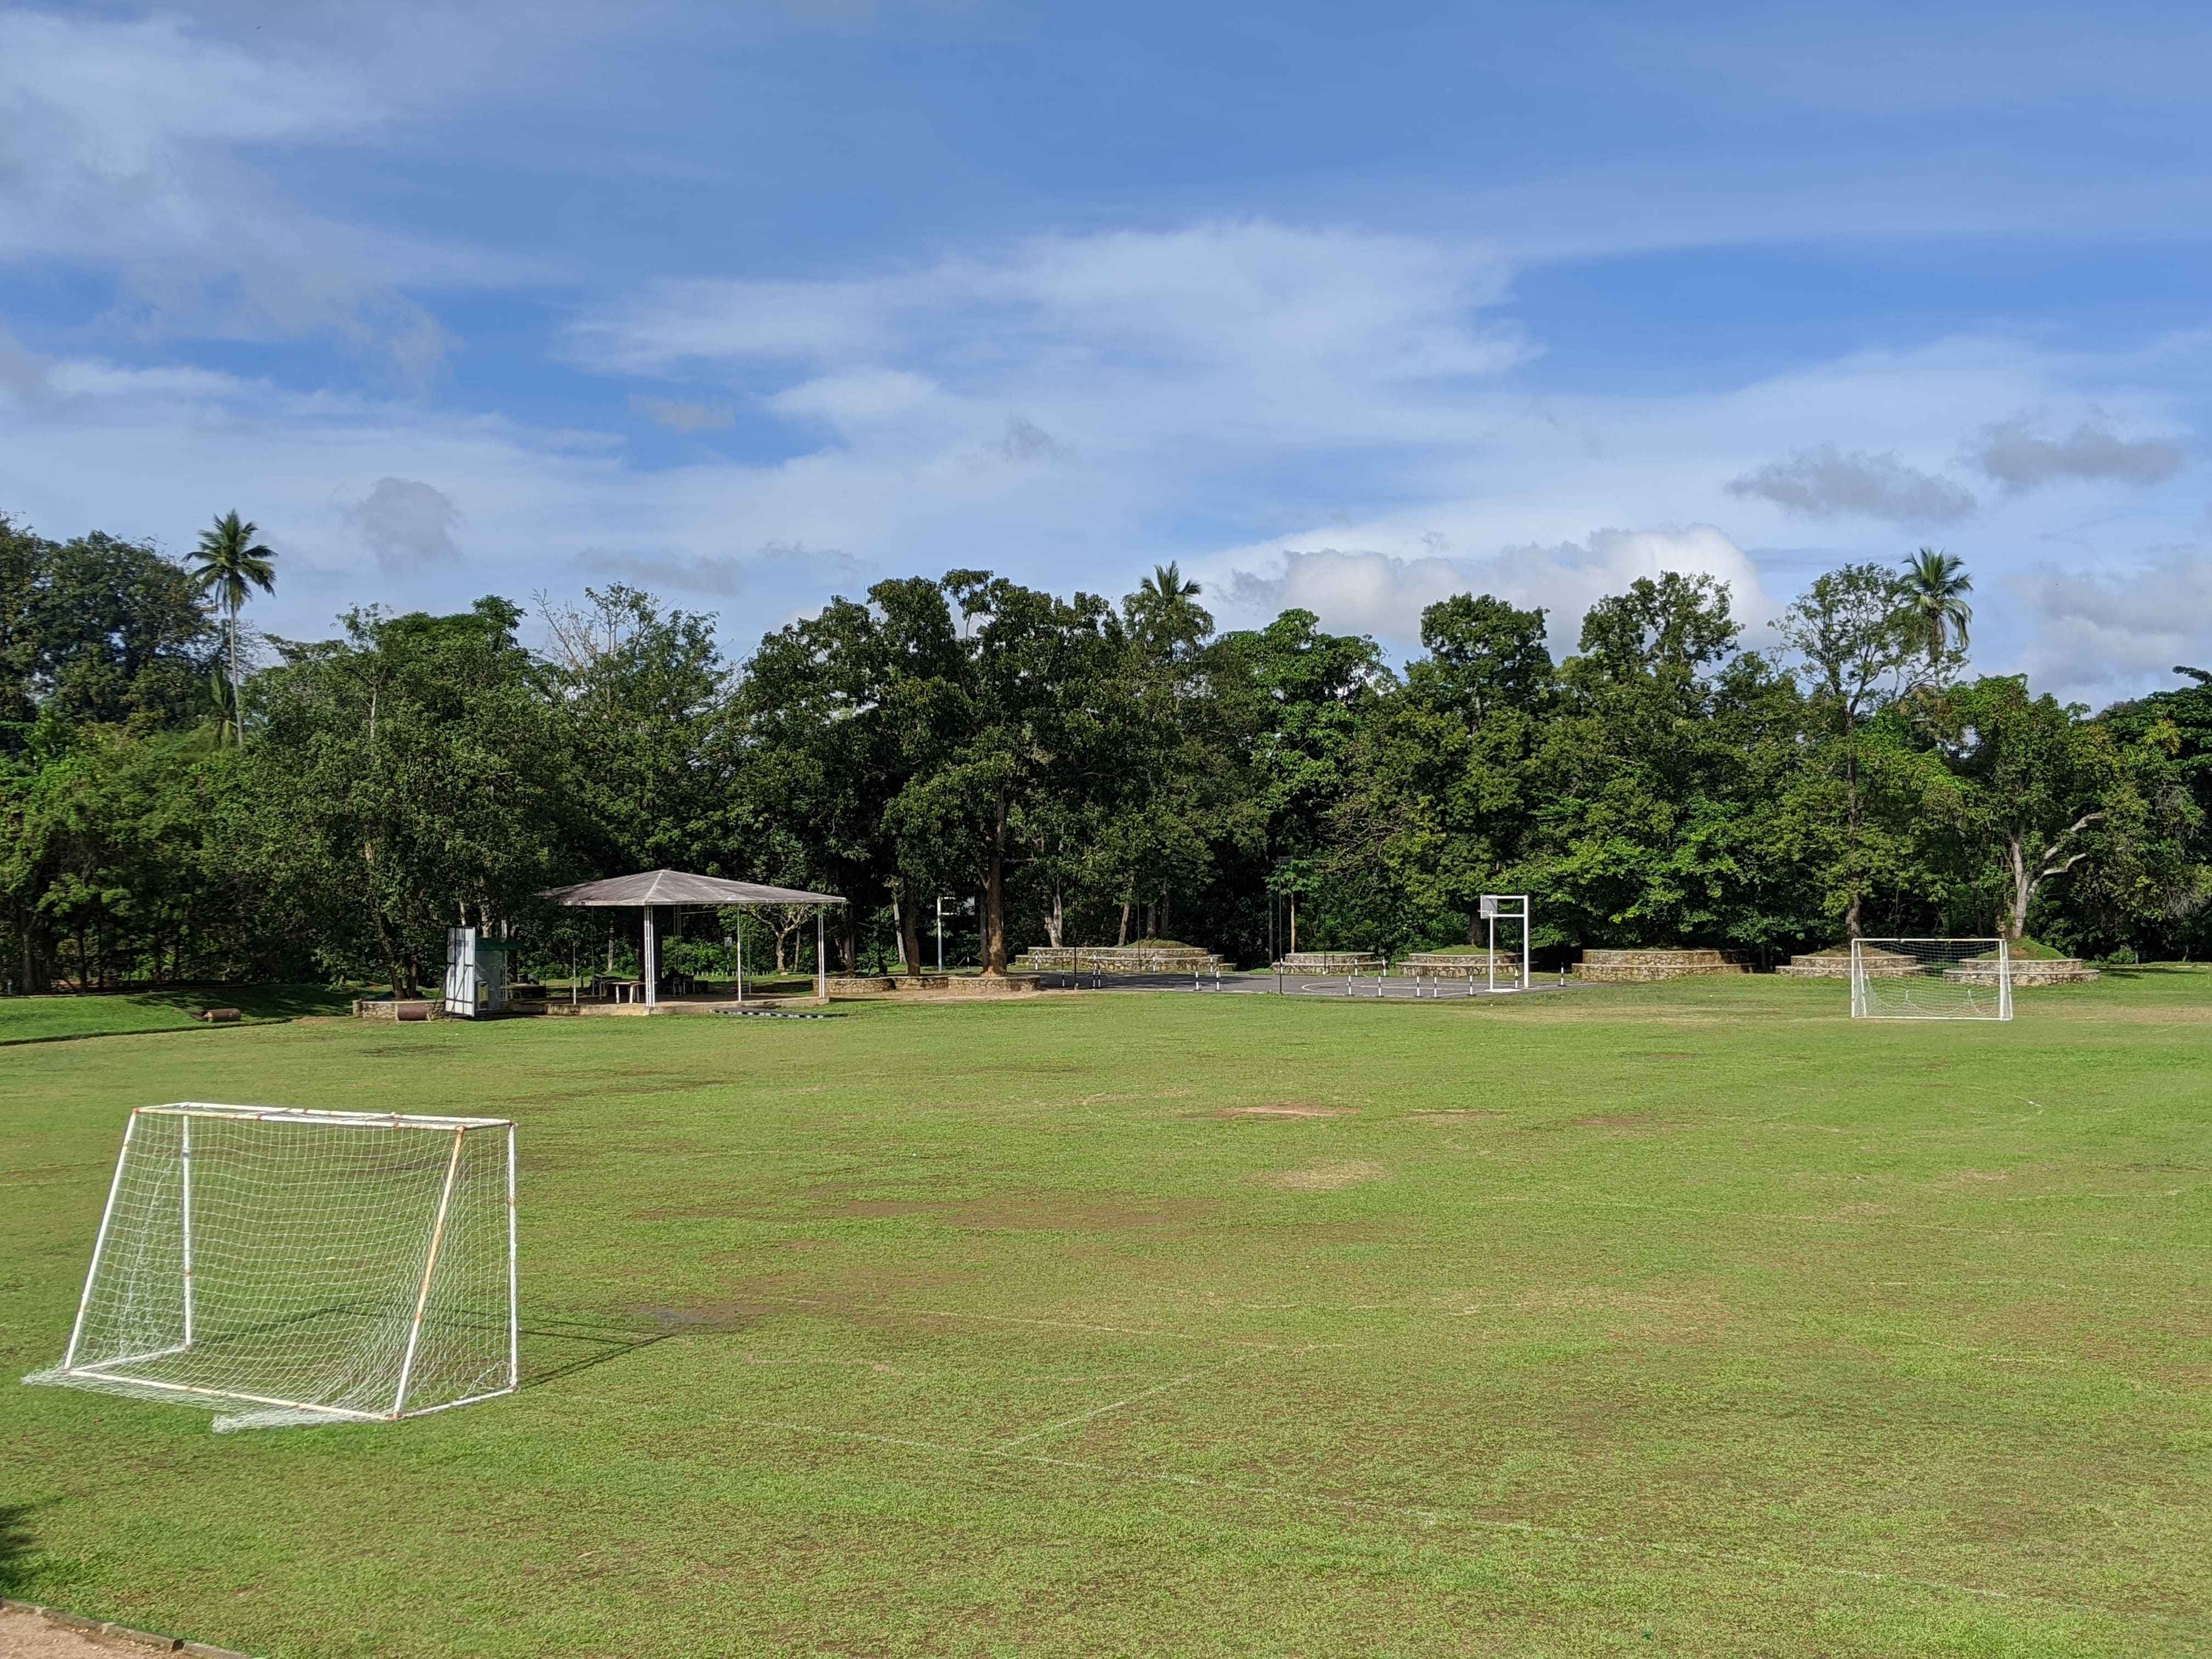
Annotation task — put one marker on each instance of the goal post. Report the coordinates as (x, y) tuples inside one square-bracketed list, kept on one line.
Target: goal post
[(1495, 908), (285, 1265), (1931, 979)]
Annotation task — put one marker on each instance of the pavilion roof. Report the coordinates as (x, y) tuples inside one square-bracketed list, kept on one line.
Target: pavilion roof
[(678, 887)]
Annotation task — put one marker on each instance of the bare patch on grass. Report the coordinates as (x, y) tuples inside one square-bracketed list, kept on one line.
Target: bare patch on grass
[(1323, 1177), (1632, 1123), (1960, 1180), (1287, 1109)]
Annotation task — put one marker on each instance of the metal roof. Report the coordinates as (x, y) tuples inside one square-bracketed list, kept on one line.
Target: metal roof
[(678, 887)]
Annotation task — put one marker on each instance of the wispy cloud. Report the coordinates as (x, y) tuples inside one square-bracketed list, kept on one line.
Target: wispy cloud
[(1830, 483), (684, 414), (2016, 453)]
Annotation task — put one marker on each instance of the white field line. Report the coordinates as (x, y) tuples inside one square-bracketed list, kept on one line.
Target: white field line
[(1805, 1218), (1142, 1394), (1439, 1516), (994, 1319)]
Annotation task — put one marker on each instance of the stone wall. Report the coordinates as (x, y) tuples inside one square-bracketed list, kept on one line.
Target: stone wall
[(413, 1008), (1331, 962), (1837, 964), (1642, 967), (1117, 960), (1460, 964), (2026, 970)]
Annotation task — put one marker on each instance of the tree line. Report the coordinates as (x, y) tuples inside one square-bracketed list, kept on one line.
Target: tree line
[(180, 802)]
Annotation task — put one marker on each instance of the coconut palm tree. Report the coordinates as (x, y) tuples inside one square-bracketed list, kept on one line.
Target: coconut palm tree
[(232, 565), (1936, 586), (1165, 610)]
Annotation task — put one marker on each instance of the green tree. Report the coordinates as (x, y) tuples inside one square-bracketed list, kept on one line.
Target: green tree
[(98, 630), (1441, 804), (1659, 774), (643, 695), (411, 778), (1856, 645), (1032, 716), (1294, 700), (2033, 789), (232, 565)]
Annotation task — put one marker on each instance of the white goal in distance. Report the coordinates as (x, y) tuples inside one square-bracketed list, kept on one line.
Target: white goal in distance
[(1931, 979), (1495, 908), (301, 1267)]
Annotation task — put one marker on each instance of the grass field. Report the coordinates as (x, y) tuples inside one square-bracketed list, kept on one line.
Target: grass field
[(1687, 1319), (49, 1019)]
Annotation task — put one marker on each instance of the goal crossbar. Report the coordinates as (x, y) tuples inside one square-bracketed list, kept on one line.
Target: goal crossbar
[(330, 1118)]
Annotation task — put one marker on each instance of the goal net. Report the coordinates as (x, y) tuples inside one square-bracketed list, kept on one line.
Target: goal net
[(296, 1267), (1931, 979)]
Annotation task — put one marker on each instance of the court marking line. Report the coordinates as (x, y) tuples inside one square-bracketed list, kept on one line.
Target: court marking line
[(1142, 1394)]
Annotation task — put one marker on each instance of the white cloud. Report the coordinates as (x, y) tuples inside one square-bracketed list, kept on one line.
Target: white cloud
[(1385, 594), (1182, 310), (134, 149), (1828, 483), (2017, 456), (2102, 635)]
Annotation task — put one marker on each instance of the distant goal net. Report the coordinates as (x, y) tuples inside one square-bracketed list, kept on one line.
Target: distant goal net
[(1931, 979), (295, 1267)]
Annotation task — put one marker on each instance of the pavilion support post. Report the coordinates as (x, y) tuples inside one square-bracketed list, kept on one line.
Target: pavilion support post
[(652, 963), (821, 961)]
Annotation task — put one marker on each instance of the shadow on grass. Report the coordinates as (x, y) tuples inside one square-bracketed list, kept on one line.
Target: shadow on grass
[(578, 1347), (254, 1001), (14, 1548)]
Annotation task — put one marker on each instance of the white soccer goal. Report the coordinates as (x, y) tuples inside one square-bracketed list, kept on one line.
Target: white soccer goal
[(1931, 979), (314, 1266), (1507, 907)]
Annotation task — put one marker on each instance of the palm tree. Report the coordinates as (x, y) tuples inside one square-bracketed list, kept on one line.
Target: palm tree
[(231, 565), (1936, 587), (1164, 608)]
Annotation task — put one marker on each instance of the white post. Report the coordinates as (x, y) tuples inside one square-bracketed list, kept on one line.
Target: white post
[(652, 967), (513, 1304), (1490, 955), (1524, 942), (429, 1268), (741, 959), (1858, 979), (821, 961), (186, 1195), (100, 1241), (941, 933), (2004, 977)]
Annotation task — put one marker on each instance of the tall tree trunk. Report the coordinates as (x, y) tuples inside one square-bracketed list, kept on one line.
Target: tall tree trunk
[(237, 703), (1052, 918), (384, 944), (2013, 925), (910, 928), (1123, 937), (994, 899), (1851, 870)]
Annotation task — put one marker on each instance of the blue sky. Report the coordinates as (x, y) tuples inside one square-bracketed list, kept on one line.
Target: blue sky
[(1349, 307)]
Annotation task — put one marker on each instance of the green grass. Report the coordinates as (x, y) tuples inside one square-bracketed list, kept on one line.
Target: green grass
[(46, 1020), (1689, 1319)]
